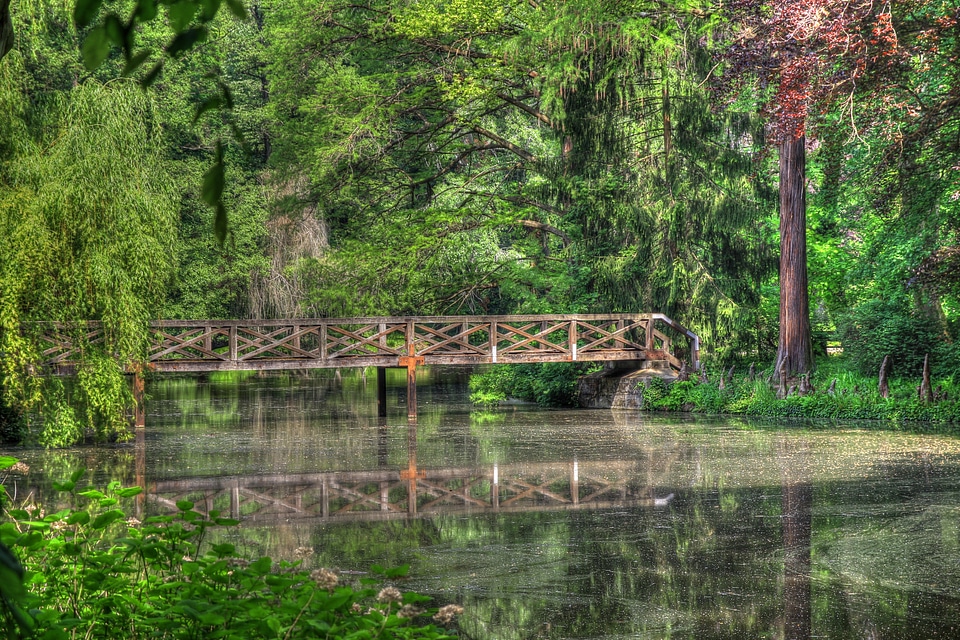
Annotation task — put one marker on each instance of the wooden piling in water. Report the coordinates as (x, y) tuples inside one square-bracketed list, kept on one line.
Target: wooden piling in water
[(381, 392)]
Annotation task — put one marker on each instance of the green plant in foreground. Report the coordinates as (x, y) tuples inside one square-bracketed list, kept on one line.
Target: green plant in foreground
[(93, 572)]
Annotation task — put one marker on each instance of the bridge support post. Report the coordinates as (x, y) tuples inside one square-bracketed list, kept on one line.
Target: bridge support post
[(140, 463), (139, 411), (410, 362), (381, 392)]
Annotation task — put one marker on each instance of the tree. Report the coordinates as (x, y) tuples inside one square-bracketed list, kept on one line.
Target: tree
[(550, 157), (798, 57), (87, 237)]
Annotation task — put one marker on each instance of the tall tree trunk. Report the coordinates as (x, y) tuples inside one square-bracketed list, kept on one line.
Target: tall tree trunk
[(796, 349)]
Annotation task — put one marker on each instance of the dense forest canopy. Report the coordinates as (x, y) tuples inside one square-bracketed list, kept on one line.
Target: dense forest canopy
[(179, 159)]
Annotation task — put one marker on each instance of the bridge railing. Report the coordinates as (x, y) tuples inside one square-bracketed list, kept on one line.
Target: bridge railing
[(210, 345)]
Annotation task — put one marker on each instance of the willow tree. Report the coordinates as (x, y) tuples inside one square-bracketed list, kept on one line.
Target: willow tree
[(88, 220)]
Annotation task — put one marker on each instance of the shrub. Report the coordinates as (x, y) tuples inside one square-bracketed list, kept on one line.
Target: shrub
[(93, 572), (878, 328), (552, 384)]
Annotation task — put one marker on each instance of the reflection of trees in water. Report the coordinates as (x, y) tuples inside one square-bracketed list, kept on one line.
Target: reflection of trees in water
[(691, 569), (797, 522), (725, 559)]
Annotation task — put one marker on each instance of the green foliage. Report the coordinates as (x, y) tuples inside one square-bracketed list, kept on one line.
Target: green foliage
[(552, 384), (91, 569), (454, 179), (87, 215), (855, 397), (889, 327)]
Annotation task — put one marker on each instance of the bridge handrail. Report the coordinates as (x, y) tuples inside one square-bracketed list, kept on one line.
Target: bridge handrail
[(462, 339)]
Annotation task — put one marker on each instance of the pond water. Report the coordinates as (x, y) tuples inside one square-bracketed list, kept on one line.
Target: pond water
[(563, 524)]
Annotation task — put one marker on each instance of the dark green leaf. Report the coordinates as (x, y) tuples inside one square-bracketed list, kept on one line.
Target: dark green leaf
[(146, 10), (209, 9), (181, 14), (262, 566), (152, 75), (76, 475), (184, 505), (79, 517), (107, 518), (129, 492), (30, 540), (211, 190), (227, 95), (211, 103), (85, 11), (95, 48), (93, 494), (7, 461), (186, 40), (135, 62), (64, 486), (9, 562), (397, 572), (237, 9), (220, 223), (116, 30)]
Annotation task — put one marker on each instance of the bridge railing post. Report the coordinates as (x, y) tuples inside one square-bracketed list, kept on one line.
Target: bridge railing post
[(323, 341), (572, 339)]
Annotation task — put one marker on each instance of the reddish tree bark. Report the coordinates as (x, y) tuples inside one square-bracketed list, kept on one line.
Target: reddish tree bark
[(796, 346), (812, 52)]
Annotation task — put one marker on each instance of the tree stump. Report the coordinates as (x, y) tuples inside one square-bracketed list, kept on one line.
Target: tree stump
[(752, 373), (805, 387), (832, 389), (684, 373), (884, 372)]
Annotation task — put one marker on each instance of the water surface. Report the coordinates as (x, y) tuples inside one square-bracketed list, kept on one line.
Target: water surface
[(565, 524)]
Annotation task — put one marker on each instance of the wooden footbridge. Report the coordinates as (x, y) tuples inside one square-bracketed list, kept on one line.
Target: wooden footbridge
[(406, 342)]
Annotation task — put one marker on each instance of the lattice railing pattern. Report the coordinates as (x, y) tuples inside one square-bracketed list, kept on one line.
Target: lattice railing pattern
[(385, 494), (210, 345)]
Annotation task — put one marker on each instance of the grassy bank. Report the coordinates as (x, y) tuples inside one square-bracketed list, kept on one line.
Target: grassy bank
[(839, 392)]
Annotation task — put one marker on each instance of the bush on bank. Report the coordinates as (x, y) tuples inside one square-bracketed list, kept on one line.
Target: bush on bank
[(91, 571), (854, 396), (551, 384)]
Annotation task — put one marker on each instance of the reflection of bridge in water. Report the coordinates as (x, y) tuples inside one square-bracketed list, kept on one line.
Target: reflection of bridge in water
[(384, 494)]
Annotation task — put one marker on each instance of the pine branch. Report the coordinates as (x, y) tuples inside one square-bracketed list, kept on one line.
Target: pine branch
[(542, 117)]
